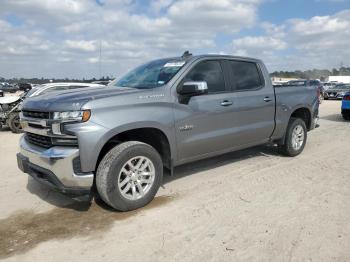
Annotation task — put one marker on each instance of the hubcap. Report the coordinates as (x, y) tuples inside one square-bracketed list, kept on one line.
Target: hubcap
[(17, 123), (298, 137), (136, 178)]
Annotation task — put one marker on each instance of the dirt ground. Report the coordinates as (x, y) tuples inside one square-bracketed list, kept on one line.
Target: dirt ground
[(252, 205)]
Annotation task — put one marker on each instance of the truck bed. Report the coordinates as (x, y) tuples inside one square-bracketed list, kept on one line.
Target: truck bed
[(290, 97)]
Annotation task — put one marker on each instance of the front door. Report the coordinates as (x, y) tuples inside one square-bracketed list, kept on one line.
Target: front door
[(204, 124)]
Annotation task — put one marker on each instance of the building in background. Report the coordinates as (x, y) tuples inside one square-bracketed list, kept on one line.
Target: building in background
[(339, 79), (281, 80)]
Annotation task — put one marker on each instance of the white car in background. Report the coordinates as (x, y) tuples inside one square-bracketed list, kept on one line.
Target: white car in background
[(45, 88), (12, 119)]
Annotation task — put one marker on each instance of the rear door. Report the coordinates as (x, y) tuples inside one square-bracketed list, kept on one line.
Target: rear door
[(253, 102)]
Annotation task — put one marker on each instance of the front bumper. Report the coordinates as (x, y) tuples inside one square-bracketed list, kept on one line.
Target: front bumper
[(54, 167)]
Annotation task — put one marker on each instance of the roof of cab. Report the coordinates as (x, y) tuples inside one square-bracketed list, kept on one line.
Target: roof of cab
[(219, 56)]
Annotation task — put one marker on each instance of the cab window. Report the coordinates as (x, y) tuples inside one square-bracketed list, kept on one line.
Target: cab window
[(210, 72)]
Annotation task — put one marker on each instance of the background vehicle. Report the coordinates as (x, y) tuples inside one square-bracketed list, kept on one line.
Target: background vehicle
[(345, 107), (1, 93), (11, 117), (162, 114), (328, 85), (24, 87), (9, 107), (6, 87), (102, 82), (337, 92), (60, 86)]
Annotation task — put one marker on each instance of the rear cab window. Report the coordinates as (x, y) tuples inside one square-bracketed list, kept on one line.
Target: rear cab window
[(243, 75)]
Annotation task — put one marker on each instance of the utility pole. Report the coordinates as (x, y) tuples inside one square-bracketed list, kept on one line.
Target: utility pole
[(99, 60), (340, 69), (101, 4)]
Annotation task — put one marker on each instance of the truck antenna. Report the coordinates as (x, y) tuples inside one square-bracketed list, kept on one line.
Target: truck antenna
[(186, 54)]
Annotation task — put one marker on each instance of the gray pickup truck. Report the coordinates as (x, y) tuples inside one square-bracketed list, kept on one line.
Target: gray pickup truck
[(162, 114)]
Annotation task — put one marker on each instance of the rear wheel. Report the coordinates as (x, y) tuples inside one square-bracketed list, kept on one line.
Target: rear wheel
[(129, 175), (295, 139), (14, 123)]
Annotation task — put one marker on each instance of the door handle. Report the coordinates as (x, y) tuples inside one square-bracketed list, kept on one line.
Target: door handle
[(226, 103), (267, 99)]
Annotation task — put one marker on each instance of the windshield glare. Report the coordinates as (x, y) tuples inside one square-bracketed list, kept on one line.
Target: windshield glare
[(153, 74), (32, 91)]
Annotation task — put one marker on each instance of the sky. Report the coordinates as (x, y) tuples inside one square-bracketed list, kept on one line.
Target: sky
[(93, 38)]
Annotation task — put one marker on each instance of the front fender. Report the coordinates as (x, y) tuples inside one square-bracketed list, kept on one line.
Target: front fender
[(92, 137)]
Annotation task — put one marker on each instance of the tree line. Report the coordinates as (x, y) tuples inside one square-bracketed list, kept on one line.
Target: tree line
[(47, 80), (321, 74)]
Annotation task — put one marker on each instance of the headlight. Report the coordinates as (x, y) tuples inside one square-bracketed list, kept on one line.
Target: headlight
[(68, 116)]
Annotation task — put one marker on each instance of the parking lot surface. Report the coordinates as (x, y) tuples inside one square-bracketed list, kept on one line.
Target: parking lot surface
[(251, 205)]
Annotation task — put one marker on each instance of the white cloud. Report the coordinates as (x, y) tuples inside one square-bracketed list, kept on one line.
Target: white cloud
[(158, 5), (70, 30), (214, 16), (259, 43), (81, 45), (318, 42), (320, 25), (93, 60), (61, 37)]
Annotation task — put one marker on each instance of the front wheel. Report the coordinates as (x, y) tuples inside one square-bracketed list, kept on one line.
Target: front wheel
[(295, 139), (14, 123), (129, 175)]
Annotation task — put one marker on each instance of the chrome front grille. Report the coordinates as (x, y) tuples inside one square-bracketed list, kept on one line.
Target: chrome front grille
[(36, 114), (39, 140), (44, 132), (48, 141)]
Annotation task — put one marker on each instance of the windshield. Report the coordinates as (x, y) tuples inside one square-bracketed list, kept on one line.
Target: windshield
[(153, 74), (32, 91)]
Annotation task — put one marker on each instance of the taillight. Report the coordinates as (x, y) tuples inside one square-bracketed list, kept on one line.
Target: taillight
[(346, 97)]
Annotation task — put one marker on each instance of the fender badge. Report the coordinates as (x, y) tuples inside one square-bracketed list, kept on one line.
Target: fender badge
[(186, 128)]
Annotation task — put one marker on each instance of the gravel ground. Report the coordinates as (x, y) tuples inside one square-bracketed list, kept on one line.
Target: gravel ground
[(252, 205)]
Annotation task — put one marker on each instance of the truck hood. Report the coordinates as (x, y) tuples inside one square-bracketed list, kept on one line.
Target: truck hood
[(70, 100)]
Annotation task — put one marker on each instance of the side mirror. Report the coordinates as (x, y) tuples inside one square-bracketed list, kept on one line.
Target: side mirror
[(193, 88)]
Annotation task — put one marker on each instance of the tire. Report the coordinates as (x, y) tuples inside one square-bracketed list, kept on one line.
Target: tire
[(326, 98), (14, 124), (288, 149), (346, 116), (111, 171)]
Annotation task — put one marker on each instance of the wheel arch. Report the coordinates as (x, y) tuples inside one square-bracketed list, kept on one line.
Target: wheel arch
[(303, 113), (154, 136)]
